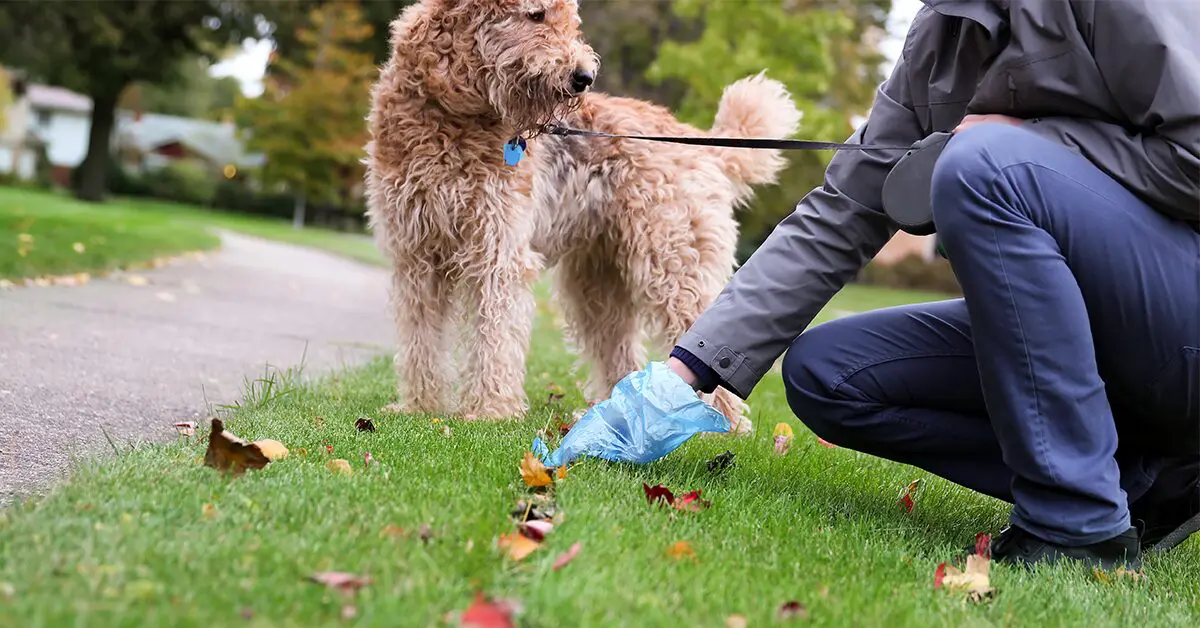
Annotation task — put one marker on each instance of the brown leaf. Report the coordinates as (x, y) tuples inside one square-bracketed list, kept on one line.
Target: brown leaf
[(230, 454), (534, 472), (185, 428), (364, 425), (567, 556), (555, 393), (792, 609), (484, 613), (340, 580), (425, 533), (517, 546), (393, 531), (974, 580)]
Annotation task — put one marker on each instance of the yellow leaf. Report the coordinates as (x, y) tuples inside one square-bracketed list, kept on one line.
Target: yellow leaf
[(209, 511), (680, 550), (339, 465), (517, 545), (783, 429), (561, 473), (79, 247), (783, 438), (136, 280), (534, 472), (272, 449), (974, 580)]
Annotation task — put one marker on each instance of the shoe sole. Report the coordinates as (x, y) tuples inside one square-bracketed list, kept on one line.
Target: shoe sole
[(1177, 536)]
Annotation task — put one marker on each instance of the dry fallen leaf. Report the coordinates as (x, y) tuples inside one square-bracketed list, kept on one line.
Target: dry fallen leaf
[(688, 502), (228, 453), (79, 247), (340, 465), (368, 459), (425, 533), (825, 443), (658, 493), (691, 502), (783, 438), (392, 530), (721, 462), (567, 556), (136, 280), (340, 580), (364, 425), (208, 510), (272, 449), (680, 550), (974, 580), (791, 609), (484, 613), (736, 621), (1119, 572), (536, 529), (534, 472), (908, 495), (185, 428), (555, 393), (516, 545)]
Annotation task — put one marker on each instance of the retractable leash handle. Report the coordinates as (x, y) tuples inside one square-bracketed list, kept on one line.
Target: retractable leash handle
[(907, 188)]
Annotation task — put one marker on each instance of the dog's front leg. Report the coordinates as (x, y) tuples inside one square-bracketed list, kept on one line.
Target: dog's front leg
[(494, 381)]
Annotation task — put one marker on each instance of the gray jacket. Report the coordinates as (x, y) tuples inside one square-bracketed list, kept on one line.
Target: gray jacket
[(1116, 80)]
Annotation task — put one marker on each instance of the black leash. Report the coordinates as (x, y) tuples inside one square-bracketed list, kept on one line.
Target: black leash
[(726, 142)]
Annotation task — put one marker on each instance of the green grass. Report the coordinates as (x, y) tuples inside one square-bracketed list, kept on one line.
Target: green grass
[(127, 542), (45, 234), (47, 227)]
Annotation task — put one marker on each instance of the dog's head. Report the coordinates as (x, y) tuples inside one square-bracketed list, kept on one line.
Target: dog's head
[(526, 61)]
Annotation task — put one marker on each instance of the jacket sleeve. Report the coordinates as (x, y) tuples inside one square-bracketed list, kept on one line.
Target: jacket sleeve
[(1151, 63), (833, 232)]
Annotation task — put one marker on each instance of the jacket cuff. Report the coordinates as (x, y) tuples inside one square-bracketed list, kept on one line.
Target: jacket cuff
[(707, 378), (731, 369)]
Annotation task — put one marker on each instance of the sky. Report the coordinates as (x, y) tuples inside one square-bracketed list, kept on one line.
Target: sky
[(248, 65)]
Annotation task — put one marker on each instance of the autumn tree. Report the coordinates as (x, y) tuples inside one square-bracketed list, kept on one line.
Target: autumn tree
[(310, 122), (193, 92), (101, 47), (826, 53)]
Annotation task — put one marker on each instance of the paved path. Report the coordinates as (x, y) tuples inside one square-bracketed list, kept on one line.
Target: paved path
[(134, 359)]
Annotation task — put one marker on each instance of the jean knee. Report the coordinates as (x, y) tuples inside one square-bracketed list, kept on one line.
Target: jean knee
[(810, 375), (968, 168)]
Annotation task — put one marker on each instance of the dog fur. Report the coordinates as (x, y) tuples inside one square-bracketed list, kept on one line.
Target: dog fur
[(640, 236)]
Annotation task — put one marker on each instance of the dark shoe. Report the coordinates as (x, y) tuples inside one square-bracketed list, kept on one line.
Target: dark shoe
[(1170, 511), (1016, 546)]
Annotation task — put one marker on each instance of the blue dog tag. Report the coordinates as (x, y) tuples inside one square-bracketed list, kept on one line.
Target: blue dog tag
[(514, 150)]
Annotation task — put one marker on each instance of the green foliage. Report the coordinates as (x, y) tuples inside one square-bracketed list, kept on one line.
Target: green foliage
[(192, 93), (825, 54), (184, 182), (310, 120), (913, 273)]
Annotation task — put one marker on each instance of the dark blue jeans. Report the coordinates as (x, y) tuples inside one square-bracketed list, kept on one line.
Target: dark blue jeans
[(1068, 372)]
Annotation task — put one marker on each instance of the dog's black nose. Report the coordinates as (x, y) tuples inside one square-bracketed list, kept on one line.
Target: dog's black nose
[(581, 80)]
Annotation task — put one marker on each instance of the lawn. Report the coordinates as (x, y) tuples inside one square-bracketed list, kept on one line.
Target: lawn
[(49, 234), (152, 537)]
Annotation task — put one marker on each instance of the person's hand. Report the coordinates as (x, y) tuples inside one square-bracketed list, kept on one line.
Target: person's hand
[(989, 118), (683, 371)]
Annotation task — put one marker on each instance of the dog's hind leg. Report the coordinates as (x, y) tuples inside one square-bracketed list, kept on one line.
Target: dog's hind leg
[(602, 321), (493, 385), (422, 305)]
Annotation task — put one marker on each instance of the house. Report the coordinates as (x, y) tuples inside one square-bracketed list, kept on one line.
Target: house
[(148, 141), (59, 120), (44, 116)]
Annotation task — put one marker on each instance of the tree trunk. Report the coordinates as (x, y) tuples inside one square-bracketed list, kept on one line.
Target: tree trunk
[(298, 212), (93, 179)]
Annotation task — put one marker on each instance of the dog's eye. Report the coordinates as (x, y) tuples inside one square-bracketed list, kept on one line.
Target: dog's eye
[(537, 16)]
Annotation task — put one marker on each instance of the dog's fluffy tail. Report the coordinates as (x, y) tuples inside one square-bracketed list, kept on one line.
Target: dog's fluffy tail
[(756, 107)]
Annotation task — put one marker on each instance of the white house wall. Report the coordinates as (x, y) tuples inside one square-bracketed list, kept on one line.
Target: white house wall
[(66, 137), (26, 166)]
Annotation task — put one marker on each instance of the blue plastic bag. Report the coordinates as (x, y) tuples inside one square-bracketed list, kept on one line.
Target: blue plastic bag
[(650, 414)]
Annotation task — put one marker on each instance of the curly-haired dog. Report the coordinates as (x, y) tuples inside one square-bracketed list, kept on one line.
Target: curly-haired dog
[(641, 236)]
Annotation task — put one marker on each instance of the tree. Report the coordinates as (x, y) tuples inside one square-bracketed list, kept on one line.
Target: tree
[(826, 53), (310, 122), (191, 93), (6, 98), (100, 48), (286, 17)]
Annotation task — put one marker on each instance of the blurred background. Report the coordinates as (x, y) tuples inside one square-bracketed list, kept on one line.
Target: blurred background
[(256, 107)]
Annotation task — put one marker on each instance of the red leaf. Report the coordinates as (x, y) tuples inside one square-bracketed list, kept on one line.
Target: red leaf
[(907, 503), (939, 575), (826, 443), (792, 609), (658, 492), (536, 529), (484, 613), (983, 545), (567, 556), (691, 501)]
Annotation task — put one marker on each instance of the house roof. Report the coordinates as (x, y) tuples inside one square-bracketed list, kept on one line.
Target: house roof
[(216, 141), (57, 98)]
